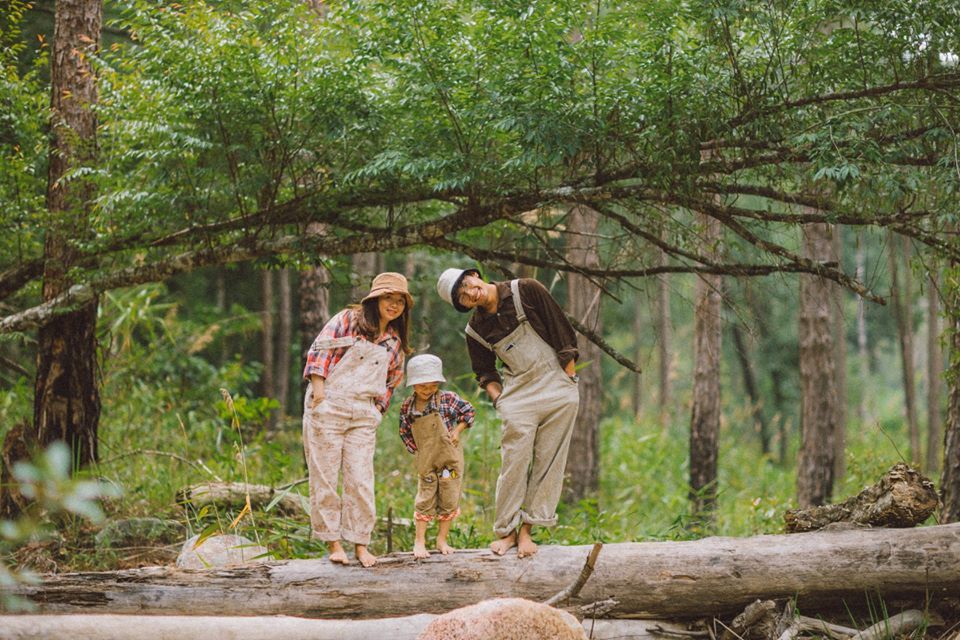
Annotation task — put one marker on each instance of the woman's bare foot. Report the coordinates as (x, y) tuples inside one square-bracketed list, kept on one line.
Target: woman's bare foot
[(444, 548), (366, 558), (420, 551), (525, 545), (337, 554), (504, 544)]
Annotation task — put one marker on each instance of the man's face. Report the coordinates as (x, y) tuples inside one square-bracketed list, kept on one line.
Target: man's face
[(471, 293)]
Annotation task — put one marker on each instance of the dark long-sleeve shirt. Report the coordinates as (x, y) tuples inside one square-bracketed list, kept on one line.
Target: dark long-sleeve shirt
[(544, 315)]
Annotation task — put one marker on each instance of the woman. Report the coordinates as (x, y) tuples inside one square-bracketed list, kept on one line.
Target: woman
[(353, 367)]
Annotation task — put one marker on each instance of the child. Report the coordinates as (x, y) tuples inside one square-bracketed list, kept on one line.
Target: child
[(431, 422), (353, 367)]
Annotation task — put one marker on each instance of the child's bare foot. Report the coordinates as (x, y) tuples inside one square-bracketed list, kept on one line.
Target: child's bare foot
[(504, 544), (444, 548), (525, 545), (337, 554), (420, 551), (366, 558)]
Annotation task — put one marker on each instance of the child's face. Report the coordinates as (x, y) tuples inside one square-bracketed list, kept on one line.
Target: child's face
[(426, 389)]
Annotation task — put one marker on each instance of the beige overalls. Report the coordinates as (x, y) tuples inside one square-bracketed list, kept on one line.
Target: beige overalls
[(439, 469), (340, 434), (537, 409)]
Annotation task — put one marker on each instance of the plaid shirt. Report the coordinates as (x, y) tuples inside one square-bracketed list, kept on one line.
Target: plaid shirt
[(452, 409), (322, 362)]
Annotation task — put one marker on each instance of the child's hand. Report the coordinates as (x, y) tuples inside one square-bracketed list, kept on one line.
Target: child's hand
[(455, 438)]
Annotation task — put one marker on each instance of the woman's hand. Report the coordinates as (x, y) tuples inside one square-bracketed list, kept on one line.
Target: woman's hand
[(318, 391)]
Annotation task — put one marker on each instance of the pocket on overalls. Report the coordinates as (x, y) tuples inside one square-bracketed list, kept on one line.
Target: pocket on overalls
[(448, 495), (426, 501)]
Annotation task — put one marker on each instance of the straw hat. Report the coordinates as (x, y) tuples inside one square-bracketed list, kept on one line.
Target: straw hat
[(424, 369), (389, 282), (448, 283)]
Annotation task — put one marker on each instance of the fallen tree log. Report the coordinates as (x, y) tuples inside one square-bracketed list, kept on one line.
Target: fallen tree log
[(129, 627), (234, 495), (903, 497), (712, 576)]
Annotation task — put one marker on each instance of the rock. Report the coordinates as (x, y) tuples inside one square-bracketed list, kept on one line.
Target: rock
[(220, 551), (140, 532), (505, 619)]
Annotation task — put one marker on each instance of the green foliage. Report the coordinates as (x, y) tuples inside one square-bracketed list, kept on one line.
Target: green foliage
[(47, 482)]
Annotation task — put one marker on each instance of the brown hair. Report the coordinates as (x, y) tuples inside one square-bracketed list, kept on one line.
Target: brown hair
[(368, 315)]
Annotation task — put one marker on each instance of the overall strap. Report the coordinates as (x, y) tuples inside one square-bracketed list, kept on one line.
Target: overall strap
[(515, 289), (335, 343), (476, 336)]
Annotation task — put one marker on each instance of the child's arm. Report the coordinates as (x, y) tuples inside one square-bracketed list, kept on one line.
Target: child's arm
[(455, 434)]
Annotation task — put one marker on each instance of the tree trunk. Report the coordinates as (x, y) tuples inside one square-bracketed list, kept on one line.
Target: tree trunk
[(66, 394), (637, 399), (950, 473), (314, 299), (750, 384), (364, 267), (583, 303), (934, 372), (818, 376), (902, 304), (711, 576), (665, 351), (267, 378), (863, 354), (285, 313), (705, 415), (840, 350)]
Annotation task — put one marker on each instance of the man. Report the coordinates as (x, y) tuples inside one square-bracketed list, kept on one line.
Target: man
[(520, 323)]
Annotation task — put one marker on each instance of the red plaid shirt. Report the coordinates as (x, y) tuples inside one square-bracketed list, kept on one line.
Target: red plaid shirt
[(322, 362), (452, 409)]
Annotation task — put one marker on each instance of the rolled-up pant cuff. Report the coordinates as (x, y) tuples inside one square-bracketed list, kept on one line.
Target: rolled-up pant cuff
[(538, 522), (356, 538), (326, 536)]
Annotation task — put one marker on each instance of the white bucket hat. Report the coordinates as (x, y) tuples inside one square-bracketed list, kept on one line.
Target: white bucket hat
[(448, 282), (424, 369)]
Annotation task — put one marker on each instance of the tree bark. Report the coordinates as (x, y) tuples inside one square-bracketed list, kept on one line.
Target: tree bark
[(285, 313), (638, 391), (131, 627), (863, 354), (268, 386), (364, 269), (840, 351), (902, 298), (818, 376), (712, 576), (583, 303), (314, 299), (934, 372), (705, 414), (66, 393), (950, 473), (750, 384), (902, 498), (665, 351)]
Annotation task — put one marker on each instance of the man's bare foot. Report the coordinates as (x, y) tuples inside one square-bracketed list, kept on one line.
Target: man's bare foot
[(420, 551), (337, 554), (504, 544), (366, 558), (525, 545), (444, 548)]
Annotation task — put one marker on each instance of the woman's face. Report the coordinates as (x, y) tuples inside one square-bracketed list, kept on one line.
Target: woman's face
[(391, 306)]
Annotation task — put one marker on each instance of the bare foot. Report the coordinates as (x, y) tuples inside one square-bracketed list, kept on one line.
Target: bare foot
[(504, 544), (444, 548), (366, 558), (525, 545), (420, 551), (337, 554)]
